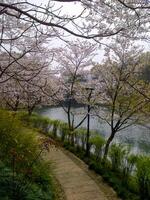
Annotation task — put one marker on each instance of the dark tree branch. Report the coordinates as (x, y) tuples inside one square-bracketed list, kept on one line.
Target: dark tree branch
[(20, 11)]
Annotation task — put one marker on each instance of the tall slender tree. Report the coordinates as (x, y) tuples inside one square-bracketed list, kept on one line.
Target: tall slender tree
[(124, 104)]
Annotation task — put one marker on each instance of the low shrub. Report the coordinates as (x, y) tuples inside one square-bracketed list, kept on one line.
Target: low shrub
[(24, 175), (143, 177), (98, 143), (117, 153)]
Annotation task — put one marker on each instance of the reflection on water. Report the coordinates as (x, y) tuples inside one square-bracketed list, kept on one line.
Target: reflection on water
[(138, 137)]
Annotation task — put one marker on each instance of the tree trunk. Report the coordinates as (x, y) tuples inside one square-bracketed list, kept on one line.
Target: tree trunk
[(108, 144), (30, 110), (88, 133), (16, 104), (72, 138), (69, 120), (54, 130), (63, 134)]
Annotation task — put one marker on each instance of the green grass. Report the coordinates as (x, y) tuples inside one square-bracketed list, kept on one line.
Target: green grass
[(24, 174)]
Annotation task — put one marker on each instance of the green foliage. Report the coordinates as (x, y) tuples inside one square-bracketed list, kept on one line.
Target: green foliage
[(128, 166), (64, 130), (113, 179), (19, 188), (16, 141), (36, 121), (23, 173), (122, 161), (117, 153), (44, 124), (98, 143), (143, 176), (81, 134)]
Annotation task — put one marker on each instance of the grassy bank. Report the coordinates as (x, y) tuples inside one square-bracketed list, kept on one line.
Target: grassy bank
[(24, 174)]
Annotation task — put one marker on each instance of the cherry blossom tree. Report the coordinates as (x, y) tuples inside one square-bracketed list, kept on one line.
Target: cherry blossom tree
[(11, 95), (18, 40), (124, 104), (98, 19), (72, 61), (25, 88)]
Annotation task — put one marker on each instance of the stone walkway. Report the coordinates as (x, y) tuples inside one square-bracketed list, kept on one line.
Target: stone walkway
[(76, 180)]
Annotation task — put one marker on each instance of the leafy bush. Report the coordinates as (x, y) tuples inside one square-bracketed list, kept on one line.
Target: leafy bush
[(23, 173), (81, 135), (113, 179), (117, 153), (19, 188), (128, 167), (98, 143), (36, 121), (16, 141), (143, 177)]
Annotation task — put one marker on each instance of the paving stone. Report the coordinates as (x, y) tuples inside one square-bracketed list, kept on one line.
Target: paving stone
[(76, 180)]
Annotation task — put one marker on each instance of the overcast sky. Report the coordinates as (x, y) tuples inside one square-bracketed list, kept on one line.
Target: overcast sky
[(68, 8)]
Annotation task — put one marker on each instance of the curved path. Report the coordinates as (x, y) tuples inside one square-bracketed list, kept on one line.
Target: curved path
[(76, 180)]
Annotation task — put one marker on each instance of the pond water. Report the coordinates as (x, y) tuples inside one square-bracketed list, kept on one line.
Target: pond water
[(137, 136)]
